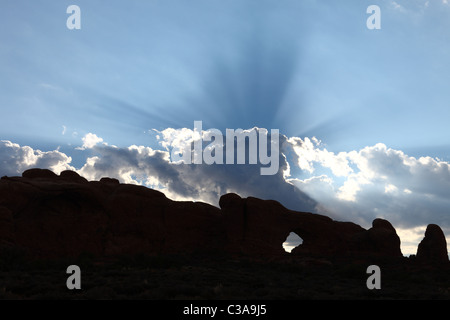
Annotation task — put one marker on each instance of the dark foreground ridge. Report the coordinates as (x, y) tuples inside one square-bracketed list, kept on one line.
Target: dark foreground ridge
[(64, 216), (47, 217)]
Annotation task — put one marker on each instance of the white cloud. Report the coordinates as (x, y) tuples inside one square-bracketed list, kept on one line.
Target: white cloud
[(390, 188), (89, 141), (14, 159), (415, 10), (376, 181), (308, 152), (396, 6), (48, 86), (176, 138), (402, 8), (351, 187), (380, 181), (144, 165), (410, 238)]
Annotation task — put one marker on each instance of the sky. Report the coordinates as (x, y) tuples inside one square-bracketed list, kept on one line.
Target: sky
[(362, 113)]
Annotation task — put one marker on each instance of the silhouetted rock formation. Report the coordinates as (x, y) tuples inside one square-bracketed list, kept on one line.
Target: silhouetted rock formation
[(381, 239), (256, 226), (59, 216), (433, 248), (71, 176), (64, 216), (6, 227), (39, 173)]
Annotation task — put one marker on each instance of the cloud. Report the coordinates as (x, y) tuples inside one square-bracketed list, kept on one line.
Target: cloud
[(307, 153), (375, 181), (417, 8), (397, 6), (201, 182), (48, 86), (89, 141), (14, 159)]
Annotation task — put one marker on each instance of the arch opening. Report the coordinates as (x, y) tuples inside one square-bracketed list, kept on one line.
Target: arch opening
[(293, 240)]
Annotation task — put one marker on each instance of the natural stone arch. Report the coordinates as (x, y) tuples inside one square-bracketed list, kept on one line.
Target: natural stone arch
[(293, 240)]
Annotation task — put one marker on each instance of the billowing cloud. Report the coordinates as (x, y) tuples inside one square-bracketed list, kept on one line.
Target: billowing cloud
[(201, 182), (14, 159), (375, 181), (90, 140)]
